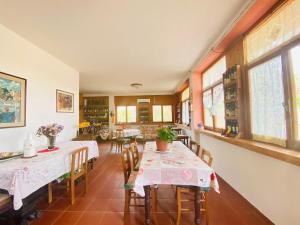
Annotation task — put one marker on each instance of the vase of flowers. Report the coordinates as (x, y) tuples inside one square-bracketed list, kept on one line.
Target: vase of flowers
[(50, 131)]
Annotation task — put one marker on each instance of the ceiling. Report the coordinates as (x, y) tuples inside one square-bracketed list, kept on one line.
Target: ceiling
[(114, 43)]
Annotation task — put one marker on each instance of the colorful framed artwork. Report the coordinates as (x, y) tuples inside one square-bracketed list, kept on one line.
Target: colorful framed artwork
[(64, 102), (12, 101)]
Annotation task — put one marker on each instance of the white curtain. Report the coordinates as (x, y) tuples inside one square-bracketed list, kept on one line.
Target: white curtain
[(218, 97), (185, 113), (282, 26), (267, 99)]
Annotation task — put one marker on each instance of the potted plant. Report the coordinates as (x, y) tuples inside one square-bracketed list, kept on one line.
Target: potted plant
[(165, 135)]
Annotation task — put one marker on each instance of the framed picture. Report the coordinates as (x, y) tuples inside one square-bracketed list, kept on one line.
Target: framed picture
[(64, 101), (12, 101)]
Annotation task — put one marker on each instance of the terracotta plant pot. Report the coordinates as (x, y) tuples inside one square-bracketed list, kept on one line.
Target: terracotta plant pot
[(161, 145)]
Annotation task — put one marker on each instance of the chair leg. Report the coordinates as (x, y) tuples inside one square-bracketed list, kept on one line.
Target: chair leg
[(50, 193), (154, 199), (85, 183), (206, 209), (72, 194), (178, 206), (127, 200), (111, 146)]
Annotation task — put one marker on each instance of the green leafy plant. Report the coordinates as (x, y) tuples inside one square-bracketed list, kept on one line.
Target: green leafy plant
[(166, 134)]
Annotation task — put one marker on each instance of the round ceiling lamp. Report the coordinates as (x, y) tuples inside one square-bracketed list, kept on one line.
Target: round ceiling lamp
[(136, 85)]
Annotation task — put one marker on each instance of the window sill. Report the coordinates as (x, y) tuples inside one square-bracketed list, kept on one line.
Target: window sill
[(279, 153)]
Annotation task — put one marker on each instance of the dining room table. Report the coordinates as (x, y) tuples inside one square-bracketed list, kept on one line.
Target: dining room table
[(177, 166), (21, 177), (131, 132)]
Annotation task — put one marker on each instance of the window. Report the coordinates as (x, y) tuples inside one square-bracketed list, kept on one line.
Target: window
[(294, 55), (282, 26), (162, 113), (213, 96), (266, 100), (272, 55), (126, 114), (185, 99), (167, 113)]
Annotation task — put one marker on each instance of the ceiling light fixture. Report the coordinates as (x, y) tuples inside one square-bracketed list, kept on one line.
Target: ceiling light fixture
[(136, 85)]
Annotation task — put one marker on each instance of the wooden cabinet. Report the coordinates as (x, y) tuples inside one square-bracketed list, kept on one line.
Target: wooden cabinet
[(232, 100), (144, 113), (96, 110), (178, 112)]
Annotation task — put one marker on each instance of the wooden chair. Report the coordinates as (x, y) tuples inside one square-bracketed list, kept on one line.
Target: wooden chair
[(79, 168), (129, 180), (141, 139), (118, 140), (194, 147), (6, 205), (134, 150), (207, 158), (184, 139), (177, 130)]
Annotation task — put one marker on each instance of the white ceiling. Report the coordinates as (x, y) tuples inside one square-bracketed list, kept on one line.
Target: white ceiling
[(113, 43)]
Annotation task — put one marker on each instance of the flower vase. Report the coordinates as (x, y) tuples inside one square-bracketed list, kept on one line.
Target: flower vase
[(51, 142)]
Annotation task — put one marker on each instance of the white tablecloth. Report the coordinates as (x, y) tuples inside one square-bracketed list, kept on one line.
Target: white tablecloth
[(21, 177), (131, 132), (180, 166)]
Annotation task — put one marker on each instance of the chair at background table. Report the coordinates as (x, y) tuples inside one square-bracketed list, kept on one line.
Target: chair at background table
[(177, 130), (134, 150), (184, 139), (207, 158), (141, 139), (118, 140), (129, 180), (194, 147), (79, 168)]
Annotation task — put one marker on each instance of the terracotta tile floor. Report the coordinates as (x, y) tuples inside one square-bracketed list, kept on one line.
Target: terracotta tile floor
[(104, 202)]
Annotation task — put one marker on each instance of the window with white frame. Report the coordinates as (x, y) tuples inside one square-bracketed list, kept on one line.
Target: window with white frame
[(162, 113), (126, 114), (185, 101), (213, 96)]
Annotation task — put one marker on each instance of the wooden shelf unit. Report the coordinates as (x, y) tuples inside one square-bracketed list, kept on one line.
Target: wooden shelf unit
[(232, 99), (96, 109), (178, 112), (144, 113)]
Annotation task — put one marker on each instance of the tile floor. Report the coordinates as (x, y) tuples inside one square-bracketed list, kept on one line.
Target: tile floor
[(104, 202)]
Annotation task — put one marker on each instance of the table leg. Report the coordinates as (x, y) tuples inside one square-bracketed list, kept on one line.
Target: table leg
[(197, 206), (147, 205)]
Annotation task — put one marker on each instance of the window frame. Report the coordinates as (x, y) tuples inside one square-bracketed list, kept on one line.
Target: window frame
[(283, 52), (162, 114), (126, 116), (211, 87)]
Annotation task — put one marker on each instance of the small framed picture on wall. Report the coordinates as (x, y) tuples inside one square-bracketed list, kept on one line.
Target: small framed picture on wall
[(64, 101), (12, 101)]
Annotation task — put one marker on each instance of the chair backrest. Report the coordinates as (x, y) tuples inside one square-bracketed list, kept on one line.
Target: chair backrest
[(126, 163), (206, 157), (184, 139), (119, 133), (177, 130), (79, 162), (134, 153), (194, 147)]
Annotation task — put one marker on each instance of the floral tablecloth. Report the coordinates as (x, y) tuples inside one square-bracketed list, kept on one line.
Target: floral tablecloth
[(179, 166), (131, 132), (21, 177)]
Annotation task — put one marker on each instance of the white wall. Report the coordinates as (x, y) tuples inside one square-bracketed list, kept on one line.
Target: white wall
[(44, 75), (271, 185)]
